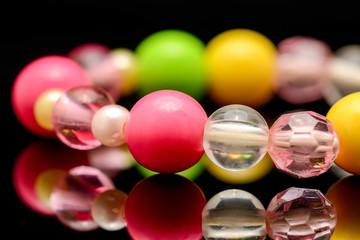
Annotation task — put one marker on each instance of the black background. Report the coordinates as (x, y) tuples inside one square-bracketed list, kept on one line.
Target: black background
[(32, 29)]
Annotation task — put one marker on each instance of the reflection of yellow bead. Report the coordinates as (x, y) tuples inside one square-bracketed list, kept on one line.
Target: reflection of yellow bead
[(125, 61), (345, 116), (43, 108), (45, 182), (345, 196), (240, 177), (240, 67)]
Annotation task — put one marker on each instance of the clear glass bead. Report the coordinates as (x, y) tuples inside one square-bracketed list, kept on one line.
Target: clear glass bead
[(235, 137)]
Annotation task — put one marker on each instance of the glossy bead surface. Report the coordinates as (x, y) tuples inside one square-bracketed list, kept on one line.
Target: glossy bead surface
[(73, 195), (108, 210), (72, 115), (235, 137), (304, 144), (164, 131), (299, 213), (234, 214), (108, 125)]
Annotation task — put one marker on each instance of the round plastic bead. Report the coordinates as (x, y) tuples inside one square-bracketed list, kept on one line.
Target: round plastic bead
[(42, 74), (43, 108), (235, 137), (303, 144), (234, 214), (172, 59), (89, 54), (108, 210), (300, 213), (108, 125), (72, 115), (233, 62), (73, 195), (164, 131), (302, 69), (345, 117), (163, 207)]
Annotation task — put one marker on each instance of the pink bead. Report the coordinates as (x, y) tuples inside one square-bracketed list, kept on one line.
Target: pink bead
[(89, 54), (72, 115), (38, 76), (72, 197), (304, 144), (164, 131)]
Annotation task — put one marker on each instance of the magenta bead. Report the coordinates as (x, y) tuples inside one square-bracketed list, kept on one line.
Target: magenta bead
[(72, 197), (42, 74), (72, 115), (164, 131), (304, 144)]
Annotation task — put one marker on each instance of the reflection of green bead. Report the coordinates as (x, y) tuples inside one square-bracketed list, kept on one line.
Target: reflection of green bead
[(172, 59), (191, 173)]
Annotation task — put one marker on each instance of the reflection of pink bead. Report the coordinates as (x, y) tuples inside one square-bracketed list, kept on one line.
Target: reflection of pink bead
[(302, 69), (72, 197), (303, 143), (72, 115), (164, 131), (38, 76)]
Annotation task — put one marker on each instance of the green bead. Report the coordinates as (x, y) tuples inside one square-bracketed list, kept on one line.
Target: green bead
[(174, 60)]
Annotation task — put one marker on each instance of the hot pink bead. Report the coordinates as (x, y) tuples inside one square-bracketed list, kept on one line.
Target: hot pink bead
[(72, 115), (164, 131), (49, 72), (303, 143), (300, 214), (72, 197)]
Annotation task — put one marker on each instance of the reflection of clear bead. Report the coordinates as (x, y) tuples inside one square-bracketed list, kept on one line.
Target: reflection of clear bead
[(73, 195), (72, 115), (303, 143), (298, 213), (234, 214), (235, 137)]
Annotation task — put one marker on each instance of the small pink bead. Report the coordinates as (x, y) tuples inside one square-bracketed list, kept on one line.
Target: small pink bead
[(72, 115), (164, 131), (108, 125)]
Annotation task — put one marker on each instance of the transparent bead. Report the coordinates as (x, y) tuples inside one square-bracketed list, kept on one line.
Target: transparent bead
[(235, 137), (72, 115), (304, 144), (108, 210), (299, 213), (234, 214), (73, 195)]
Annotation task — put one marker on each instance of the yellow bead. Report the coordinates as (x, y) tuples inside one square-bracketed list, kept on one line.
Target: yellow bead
[(240, 65), (43, 108), (45, 182), (249, 175), (345, 117)]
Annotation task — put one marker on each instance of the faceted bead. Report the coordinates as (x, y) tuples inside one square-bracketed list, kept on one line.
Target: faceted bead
[(301, 214), (304, 144), (73, 195), (108, 210), (234, 214), (72, 115), (235, 137), (108, 125)]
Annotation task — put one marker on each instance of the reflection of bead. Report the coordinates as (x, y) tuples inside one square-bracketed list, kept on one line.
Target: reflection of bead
[(303, 143), (234, 214), (298, 213), (108, 125), (72, 115), (235, 137), (108, 210)]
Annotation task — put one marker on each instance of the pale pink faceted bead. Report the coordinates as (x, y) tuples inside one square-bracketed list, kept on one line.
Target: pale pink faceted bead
[(72, 115), (304, 144), (72, 197), (302, 69), (108, 125), (300, 214)]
